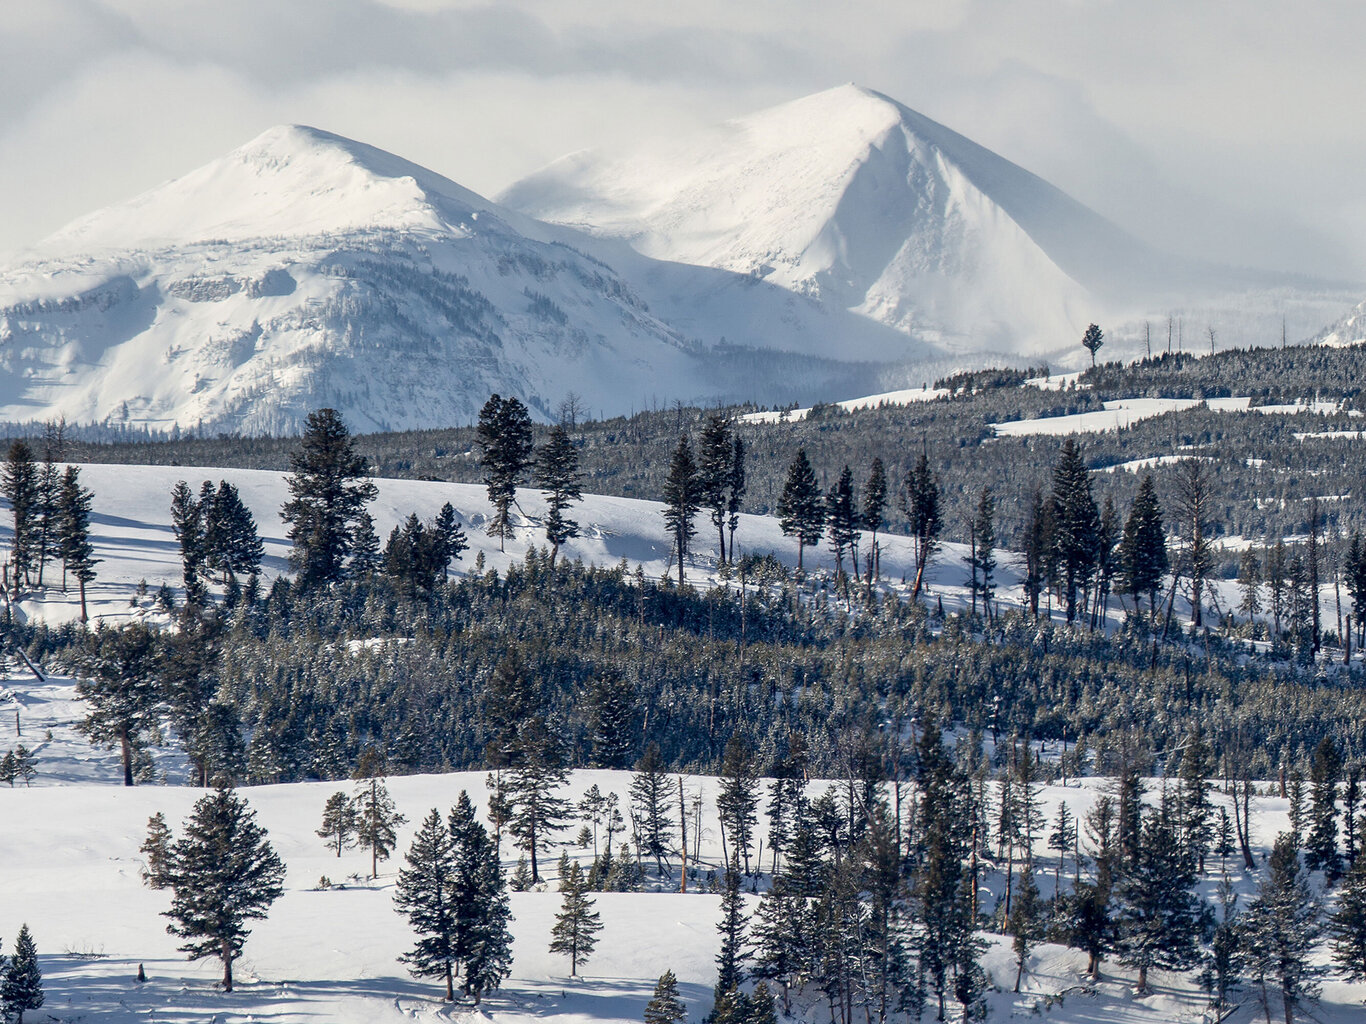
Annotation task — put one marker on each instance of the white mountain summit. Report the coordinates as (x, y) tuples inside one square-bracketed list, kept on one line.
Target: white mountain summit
[(855, 199)]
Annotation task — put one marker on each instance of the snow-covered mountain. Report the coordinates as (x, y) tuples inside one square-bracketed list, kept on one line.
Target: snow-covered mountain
[(305, 269), (853, 198)]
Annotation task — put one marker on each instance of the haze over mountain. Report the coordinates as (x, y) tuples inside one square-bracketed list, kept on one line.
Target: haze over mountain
[(834, 246)]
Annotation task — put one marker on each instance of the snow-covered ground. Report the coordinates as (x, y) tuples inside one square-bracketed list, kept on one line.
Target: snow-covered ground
[(132, 534), (907, 396), (72, 872), (330, 955), (1122, 413)]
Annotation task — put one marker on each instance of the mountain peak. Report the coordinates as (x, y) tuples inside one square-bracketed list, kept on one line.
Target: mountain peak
[(291, 180)]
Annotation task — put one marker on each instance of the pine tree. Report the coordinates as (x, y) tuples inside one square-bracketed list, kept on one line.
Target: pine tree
[(1347, 925), (1275, 569), (1063, 838), (424, 896), (378, 821), (1143, 547), (1325, 773), (735, 490), (682, 499), (1076, 524), (449, 539), (340, 823), (329, 490), (505, 443), (1092, 340), (1197, 813), (1158, 913), (1224, 962), (875, 512), (737, 801), (224, 873), (842, 521), (730, 958), (117, 680), (73, 543), (364, 546), (1280, 929), (921, 503), (538, 812), (652, 803), (1193, 496), (801, 512), (232, 545), (1250, 584), (484, 948), (1026, 921), (714, 453), (982, 554), (25, 764), (20, 486), (577, 924), (665, 1007), (1037, 546), (557, 475), (187, 522), (157, 848), (22, 986)]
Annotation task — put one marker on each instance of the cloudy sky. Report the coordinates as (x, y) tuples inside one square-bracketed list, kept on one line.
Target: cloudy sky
[(1222, 129)]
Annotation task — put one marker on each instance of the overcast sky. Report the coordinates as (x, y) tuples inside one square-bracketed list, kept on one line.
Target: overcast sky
[(1229, 130)]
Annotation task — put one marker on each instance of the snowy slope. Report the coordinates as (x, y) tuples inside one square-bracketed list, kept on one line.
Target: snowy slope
[(305, 269), (852, 197)]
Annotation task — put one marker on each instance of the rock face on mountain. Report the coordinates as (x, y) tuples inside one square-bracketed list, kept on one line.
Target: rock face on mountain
[(852, 198)]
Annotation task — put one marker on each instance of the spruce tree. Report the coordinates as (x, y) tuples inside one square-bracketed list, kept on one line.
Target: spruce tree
[(506, 446), (377, 821), (187, 522), (340, 823), (737, 800), (1325, 774), (921, 503), (232, 545), (730, 958), (364, 546), (1158, 913), (484, 946), (577, 925), (1224, 962), (557, 474), (982, 554), (875, 512), (22, 987), (1037, 547), (157, 848), (714, 453), (735, 490), (329, 489), (423, 895), (1347, 925), (73, 542), (1026, 920), (538, 812), (1280, 929), (842, 521), (1143, 547), (20, 486), (651, 804), (224, 873), (801, 512), (118, 682), (682, 500), (1249, 584), (665, 1007), (1076, 524)]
